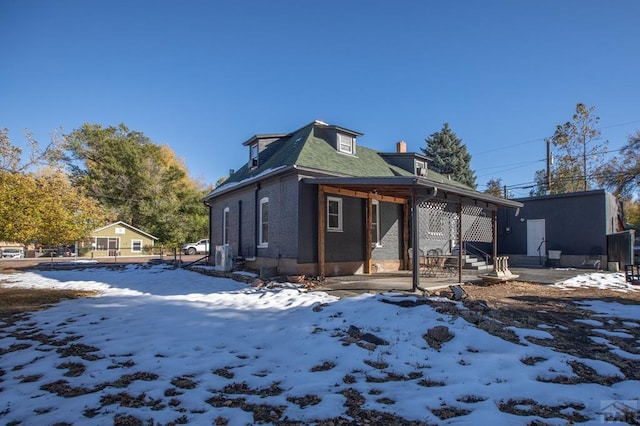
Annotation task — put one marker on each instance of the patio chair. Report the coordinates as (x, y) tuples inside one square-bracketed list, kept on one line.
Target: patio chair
[(422, 261), (450, 267), (632, 274)]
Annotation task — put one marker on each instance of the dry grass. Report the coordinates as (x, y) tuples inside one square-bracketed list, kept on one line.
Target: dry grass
[(19, 300)]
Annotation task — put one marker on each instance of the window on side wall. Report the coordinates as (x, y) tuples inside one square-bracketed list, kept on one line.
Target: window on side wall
[(136, 246), (101, 243), (375, 223), (346, 144), (334, 214), (225, 225), (264, 223)]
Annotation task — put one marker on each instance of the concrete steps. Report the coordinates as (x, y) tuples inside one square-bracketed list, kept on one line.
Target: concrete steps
[(471, 262)]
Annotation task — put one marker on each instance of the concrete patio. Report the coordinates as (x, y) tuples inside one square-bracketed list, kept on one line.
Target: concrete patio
[(401, 281)]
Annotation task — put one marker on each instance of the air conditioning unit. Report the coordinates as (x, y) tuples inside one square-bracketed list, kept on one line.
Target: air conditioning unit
[(421, 171), (224, 260)]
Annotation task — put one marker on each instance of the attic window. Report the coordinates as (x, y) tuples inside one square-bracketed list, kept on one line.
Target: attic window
[(346, 144), (253, 155)]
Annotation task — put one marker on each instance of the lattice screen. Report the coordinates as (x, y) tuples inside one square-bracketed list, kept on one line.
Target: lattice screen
[(476, 224), (438, 221)]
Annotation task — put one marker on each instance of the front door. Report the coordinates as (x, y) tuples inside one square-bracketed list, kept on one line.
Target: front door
[(536, 238), (113, 246)]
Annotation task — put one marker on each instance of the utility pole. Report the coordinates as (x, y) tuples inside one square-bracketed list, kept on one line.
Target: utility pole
[(584, 160), (548, 166)]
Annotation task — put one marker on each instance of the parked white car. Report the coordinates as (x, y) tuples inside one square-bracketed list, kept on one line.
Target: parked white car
[(12, 253), (201, 246)]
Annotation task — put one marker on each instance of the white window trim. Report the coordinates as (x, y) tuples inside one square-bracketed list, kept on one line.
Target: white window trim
[(339, 227), (351, 144), (132, 249), (253, 155), (376, 219), (225, 217), (261, 242)]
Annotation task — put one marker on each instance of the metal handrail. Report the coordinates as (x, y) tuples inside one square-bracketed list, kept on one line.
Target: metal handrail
[(486, 255), (539, 254)]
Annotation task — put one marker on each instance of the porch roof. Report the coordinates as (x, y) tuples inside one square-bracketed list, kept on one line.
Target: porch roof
[(405, 187)]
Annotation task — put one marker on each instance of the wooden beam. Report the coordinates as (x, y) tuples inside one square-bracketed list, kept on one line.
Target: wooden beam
[(362, 194), (368, 240), (321, 230)]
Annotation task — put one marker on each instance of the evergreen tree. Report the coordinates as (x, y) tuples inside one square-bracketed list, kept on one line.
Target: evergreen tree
[(449, 156)]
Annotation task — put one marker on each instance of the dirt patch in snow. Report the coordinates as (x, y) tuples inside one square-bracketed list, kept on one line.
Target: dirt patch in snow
[(16, 300), (498, 307)]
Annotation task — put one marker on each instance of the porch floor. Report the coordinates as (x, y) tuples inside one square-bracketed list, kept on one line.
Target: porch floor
[(401, 281)]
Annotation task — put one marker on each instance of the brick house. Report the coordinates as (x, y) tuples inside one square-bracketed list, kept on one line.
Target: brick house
[(315, 202)]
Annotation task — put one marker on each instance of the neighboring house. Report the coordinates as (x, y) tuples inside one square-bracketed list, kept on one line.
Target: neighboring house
[(120, 239), (315, 202), (574, 226)]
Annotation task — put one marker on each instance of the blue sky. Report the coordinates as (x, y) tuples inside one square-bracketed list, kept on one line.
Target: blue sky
[(204, 76)]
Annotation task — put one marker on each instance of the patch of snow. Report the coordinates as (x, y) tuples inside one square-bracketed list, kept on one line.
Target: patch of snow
[(592, 322), (613, 333), (522, 333), (614, 281), (219, 333), (612, 309)]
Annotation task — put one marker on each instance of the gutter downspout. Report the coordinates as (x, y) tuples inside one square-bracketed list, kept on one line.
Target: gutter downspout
[(414, 238), (256, 207), (239, 229), (210, 227)]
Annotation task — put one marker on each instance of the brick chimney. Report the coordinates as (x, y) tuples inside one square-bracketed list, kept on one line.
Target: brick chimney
[(401, 147)]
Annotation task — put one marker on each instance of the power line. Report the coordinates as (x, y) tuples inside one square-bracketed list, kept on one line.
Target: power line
[(513, 166), (543, 139)]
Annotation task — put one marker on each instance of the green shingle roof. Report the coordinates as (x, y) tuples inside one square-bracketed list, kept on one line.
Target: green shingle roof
[(305, 149)]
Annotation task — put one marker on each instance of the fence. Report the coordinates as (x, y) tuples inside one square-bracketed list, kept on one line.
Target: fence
[(111, 253)]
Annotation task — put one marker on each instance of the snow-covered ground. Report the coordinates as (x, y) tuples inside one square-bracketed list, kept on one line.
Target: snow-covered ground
[(169, 346)]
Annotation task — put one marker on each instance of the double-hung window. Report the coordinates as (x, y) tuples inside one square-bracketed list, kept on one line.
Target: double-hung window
[(334, 214), (225, 225), (136, 246), (253, 156), (263, 229), (375, 223), (346, 144)]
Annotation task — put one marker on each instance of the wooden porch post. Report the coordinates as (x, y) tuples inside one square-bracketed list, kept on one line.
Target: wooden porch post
[(406, 211), (460, 245), (321, 229), (368, 240), (494, 223)]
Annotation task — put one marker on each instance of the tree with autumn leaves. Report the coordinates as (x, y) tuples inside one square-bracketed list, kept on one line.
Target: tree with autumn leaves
[(113, 174), (39, 203)]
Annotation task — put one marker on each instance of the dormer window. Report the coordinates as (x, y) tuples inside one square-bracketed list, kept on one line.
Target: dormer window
[(253, 155), (346, 144)]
